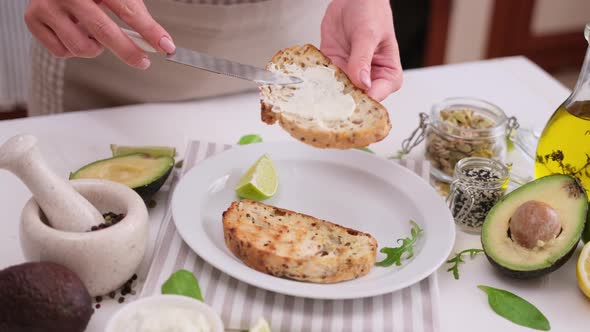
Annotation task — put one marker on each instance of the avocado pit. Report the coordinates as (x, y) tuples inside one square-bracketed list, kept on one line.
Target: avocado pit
[(534, 223)]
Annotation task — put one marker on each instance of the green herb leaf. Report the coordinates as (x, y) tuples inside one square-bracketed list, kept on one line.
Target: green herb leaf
[(394, 255), (182, 282), (457, 260), (509, 143), (249, 139), (398, 155), (515, 309), (366, 150)]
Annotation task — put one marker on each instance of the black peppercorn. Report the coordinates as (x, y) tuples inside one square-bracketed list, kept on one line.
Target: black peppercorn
[(110, 220)]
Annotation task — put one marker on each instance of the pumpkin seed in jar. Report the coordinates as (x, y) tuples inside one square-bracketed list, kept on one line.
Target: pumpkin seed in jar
[(458, 138)]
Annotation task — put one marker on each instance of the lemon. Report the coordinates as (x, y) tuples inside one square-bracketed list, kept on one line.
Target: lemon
[(260, 182), (260, 326), (583, 270)]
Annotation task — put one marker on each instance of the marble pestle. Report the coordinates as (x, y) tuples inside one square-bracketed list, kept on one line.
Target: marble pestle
[(64, 207)]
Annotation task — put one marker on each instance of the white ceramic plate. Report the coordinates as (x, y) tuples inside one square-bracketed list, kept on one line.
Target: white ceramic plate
[(353, 188)]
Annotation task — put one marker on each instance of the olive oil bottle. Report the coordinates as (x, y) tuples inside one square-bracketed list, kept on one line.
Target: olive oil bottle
[(564, 145)]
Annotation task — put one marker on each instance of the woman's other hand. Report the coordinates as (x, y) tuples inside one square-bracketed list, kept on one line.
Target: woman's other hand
[(81, 28), (358, 36)]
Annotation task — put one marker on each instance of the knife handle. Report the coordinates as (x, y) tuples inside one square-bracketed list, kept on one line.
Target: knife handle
[(139, 41)]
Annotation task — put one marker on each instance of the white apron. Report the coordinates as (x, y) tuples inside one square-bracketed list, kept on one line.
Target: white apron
[(249, 32)]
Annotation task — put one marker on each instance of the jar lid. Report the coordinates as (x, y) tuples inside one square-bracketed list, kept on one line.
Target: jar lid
[(465, 118)]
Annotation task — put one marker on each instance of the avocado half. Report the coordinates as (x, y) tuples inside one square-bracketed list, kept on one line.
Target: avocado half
[(561, 192), (143, 173)]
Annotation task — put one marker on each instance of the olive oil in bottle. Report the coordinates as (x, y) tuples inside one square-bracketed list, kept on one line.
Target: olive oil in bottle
[(564, 145)]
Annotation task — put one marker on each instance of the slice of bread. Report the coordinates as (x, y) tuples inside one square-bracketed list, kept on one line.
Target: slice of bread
[(292, 245), (369, 123)]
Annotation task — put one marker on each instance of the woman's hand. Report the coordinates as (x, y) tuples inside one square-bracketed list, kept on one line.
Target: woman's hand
[(358, 36), (80, 28)]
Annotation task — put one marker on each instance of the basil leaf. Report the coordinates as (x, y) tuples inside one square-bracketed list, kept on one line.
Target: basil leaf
[(366, 150), (249, 139), (515, 309), (182, 282)]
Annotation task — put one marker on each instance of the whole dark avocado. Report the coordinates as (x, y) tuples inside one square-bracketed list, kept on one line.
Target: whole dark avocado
[(43, 296)]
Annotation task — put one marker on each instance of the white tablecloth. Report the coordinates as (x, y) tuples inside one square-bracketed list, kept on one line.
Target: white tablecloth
[(515, 84)]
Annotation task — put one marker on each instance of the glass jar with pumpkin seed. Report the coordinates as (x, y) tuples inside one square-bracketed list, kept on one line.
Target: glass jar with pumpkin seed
[(459, 128)]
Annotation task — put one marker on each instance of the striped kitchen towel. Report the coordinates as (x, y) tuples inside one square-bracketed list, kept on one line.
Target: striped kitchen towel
[(414, 308)]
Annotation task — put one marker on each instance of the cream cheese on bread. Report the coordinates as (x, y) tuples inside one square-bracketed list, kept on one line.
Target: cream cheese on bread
[(320, 97), (367, 124)]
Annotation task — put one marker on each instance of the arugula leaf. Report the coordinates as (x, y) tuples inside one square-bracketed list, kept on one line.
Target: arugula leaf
[(515, 309), (457, 260), (394, 255), (183, 282), (249, 139), (398, 155), (366, 150)]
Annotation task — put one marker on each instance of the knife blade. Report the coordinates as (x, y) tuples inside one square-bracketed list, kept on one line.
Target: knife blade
[(218, 65)]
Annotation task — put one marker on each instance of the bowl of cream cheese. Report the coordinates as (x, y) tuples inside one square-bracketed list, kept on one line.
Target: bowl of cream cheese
[(165, 313)]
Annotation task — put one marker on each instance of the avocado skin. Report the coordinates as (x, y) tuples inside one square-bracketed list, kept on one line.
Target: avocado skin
[(586, 232), (149, 190), (43, 297), (523, 275)]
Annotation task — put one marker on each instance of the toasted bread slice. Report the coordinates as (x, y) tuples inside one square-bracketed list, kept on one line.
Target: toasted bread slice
[(369, 123), (288, 244)]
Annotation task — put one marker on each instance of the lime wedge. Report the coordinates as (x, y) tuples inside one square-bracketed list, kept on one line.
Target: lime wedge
[(260, 182), (260, 326), (249, 139)]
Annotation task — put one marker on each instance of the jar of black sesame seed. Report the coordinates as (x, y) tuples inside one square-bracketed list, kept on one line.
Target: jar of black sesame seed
[(478, 184)]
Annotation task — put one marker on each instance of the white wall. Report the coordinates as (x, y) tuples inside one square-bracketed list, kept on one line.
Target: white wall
[(470, 23), (552, 16)]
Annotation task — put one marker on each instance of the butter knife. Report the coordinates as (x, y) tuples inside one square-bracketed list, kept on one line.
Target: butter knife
[(217, 65)]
